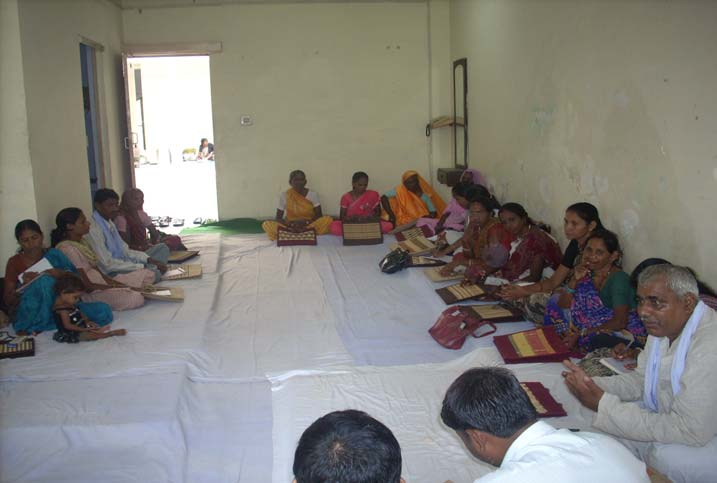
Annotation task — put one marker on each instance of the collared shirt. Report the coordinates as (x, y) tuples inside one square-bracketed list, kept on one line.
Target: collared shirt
[(545, 454), (688, 418), (134, 259)]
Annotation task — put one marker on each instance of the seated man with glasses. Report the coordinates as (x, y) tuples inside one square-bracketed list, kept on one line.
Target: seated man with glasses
[(664, 410)]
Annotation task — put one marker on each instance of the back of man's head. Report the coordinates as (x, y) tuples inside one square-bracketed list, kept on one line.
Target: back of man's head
[(347, 447), (487, 399)]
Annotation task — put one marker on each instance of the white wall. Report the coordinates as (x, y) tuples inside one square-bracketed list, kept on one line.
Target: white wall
[(609, 102), (50, 33), (17, 192), (332, 89)]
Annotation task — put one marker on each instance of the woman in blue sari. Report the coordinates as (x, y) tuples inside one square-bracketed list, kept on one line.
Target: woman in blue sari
[(31, 309)]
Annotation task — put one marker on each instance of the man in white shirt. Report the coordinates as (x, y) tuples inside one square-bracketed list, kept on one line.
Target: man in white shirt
[(664, 409), (113, 254), (494, 417)]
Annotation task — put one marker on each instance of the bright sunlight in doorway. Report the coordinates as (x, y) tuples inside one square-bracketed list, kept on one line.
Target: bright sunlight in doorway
[(170, 114)]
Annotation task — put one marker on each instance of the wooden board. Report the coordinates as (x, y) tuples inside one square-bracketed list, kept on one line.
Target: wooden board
[(180, 256), (535, 345), (188, 271), (497, 313), (414, 232), (545, 405), (415, 246), (176, 294), (365, 233), (25, 348), (421, 261), (459, 292), (434, 275), (287, 238)]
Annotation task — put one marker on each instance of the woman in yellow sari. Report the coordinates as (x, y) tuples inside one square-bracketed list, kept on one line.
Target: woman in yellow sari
[(411, 200), (299, 209)]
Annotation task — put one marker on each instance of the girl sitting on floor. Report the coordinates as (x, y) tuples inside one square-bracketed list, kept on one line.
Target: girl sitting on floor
[(299, 209), (360, 204), (598, 298), (72, 325)]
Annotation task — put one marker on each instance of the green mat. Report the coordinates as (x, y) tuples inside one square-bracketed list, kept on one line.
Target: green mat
[(235, 226)]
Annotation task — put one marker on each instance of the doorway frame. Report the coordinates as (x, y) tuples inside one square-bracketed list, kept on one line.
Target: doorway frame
[(99, 121), (173, 49)]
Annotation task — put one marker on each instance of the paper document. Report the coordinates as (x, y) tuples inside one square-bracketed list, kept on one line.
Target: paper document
[(174, 272), (39, 267), (617, 365)]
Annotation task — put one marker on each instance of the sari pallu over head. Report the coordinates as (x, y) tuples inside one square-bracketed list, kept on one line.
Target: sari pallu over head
[(298, 207), (408, 207)]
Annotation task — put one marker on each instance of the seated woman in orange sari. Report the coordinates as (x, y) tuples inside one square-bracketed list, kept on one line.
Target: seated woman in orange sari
[(360, 204), (411, 200), (299, 209)]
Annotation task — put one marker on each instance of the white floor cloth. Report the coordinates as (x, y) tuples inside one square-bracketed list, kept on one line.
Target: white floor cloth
[(185, 395)]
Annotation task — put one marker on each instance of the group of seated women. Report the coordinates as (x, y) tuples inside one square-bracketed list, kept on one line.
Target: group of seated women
[(413, 202), (108, 253), (582, 292)]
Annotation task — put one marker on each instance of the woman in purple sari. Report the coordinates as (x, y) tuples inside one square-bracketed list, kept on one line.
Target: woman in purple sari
[(598, 299), (359, 204)]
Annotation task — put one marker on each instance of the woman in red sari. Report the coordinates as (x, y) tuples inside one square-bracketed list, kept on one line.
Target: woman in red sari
[(360, 204), (532, 249), (485, 242), (133, 223)]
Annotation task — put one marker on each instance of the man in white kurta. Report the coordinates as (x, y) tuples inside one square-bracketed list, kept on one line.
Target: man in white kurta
[(677, 435), (498, 424)]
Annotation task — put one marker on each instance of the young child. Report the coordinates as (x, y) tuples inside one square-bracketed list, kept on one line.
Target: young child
[(72, 325)]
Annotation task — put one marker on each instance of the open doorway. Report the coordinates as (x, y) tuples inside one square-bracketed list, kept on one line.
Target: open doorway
[(170, 113)]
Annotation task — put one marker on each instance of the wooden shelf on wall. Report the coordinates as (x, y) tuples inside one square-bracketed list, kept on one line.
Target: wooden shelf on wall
[(443, 121)]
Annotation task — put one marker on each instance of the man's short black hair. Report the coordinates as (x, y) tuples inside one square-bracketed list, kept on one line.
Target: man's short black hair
[(488, 399), (104, 194), (347, 447)]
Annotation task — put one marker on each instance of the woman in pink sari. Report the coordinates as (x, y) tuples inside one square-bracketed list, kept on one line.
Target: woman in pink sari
[(455, 214), (359, 204)]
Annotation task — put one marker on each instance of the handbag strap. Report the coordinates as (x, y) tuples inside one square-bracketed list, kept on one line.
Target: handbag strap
[(483, 322)]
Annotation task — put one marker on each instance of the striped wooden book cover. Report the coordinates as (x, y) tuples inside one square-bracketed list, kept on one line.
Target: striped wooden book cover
[(415, 246), (497, 313), (182, 272), (545, 405), (459, 292), (368, 233), (25, 348), (535, 345), (287, 238)]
